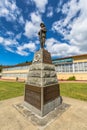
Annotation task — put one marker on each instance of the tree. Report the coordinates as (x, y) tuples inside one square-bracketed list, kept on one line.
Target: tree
[(0, 68)]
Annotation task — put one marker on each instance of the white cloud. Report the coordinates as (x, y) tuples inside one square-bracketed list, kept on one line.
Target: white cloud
[(9, 33), (69, 9), (21, 20), (8, 43), (58, 9), (31, 46), (22, 53), (18, 36), (13, 46), (22, 49), (60, 49), (9, 49), (73, 27), (32, 27), (35, 18), (10, 11), (40, 4), (50, 11), (1, 40)]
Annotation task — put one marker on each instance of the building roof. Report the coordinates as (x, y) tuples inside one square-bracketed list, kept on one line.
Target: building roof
[(21, 64), (70, 57), (28, 63), (80, 55)]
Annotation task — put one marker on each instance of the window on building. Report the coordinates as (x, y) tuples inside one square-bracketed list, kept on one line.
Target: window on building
[(64, 68)]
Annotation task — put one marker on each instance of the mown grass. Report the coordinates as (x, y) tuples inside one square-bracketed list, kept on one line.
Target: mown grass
[(11, 89), (74, 90), (15, 89)]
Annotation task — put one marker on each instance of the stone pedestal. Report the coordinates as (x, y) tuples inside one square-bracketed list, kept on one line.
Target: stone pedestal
[(42, 92)]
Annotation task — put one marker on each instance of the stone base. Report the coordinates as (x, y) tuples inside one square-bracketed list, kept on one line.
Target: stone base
[(41, 121), (42, 100), (46, 108), (42, 92), (41, 75)]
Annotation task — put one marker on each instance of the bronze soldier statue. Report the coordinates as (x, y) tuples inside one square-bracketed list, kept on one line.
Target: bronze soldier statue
[(42, 35)]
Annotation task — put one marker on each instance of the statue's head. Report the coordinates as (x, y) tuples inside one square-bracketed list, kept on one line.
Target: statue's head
[(42, 25)]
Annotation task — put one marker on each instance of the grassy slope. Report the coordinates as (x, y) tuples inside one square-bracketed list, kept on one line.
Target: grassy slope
[(74, 90), (10, 89), (15, 89)]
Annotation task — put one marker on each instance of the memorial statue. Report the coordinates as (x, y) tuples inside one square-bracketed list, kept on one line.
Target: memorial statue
[(42, 35), (42, 90)]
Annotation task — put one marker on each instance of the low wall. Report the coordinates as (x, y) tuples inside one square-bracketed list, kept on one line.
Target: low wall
[(13, 79), (78, 76), (61, 76)]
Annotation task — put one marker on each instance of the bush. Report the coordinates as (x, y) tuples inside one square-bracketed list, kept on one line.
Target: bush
[(72, 78), (0, 68)]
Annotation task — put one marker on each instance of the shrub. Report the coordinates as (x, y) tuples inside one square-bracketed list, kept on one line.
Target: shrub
[(72, 78)]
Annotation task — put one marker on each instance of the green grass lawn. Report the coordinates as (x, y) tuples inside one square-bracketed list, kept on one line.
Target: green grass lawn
[(15, 89), (11, 89), (74, 90)]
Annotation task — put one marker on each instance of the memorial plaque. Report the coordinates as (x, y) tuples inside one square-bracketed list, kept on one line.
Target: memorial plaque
[(46, 57), (51, 93), (42, 56), (33, 95)]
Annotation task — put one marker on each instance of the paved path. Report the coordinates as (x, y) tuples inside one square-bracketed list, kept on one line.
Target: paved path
[(75, 118)]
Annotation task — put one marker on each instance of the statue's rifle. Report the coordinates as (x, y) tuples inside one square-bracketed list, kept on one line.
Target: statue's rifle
[(40, 35)]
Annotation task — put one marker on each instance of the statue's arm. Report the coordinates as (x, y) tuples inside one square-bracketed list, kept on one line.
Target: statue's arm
[(44, 29)]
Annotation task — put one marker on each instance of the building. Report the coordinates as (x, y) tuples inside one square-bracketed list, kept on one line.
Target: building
[(16, 72), (71, 66), (65, 67)]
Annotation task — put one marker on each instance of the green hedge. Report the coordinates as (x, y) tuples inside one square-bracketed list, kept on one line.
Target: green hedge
[(72, 78)]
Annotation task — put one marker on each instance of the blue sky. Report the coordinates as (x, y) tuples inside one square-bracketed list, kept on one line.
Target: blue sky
[(65, 20)]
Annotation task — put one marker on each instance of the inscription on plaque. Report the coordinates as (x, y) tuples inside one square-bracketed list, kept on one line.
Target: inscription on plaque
[(51, 93), (42, 56), (47, 57), (33, 96)]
